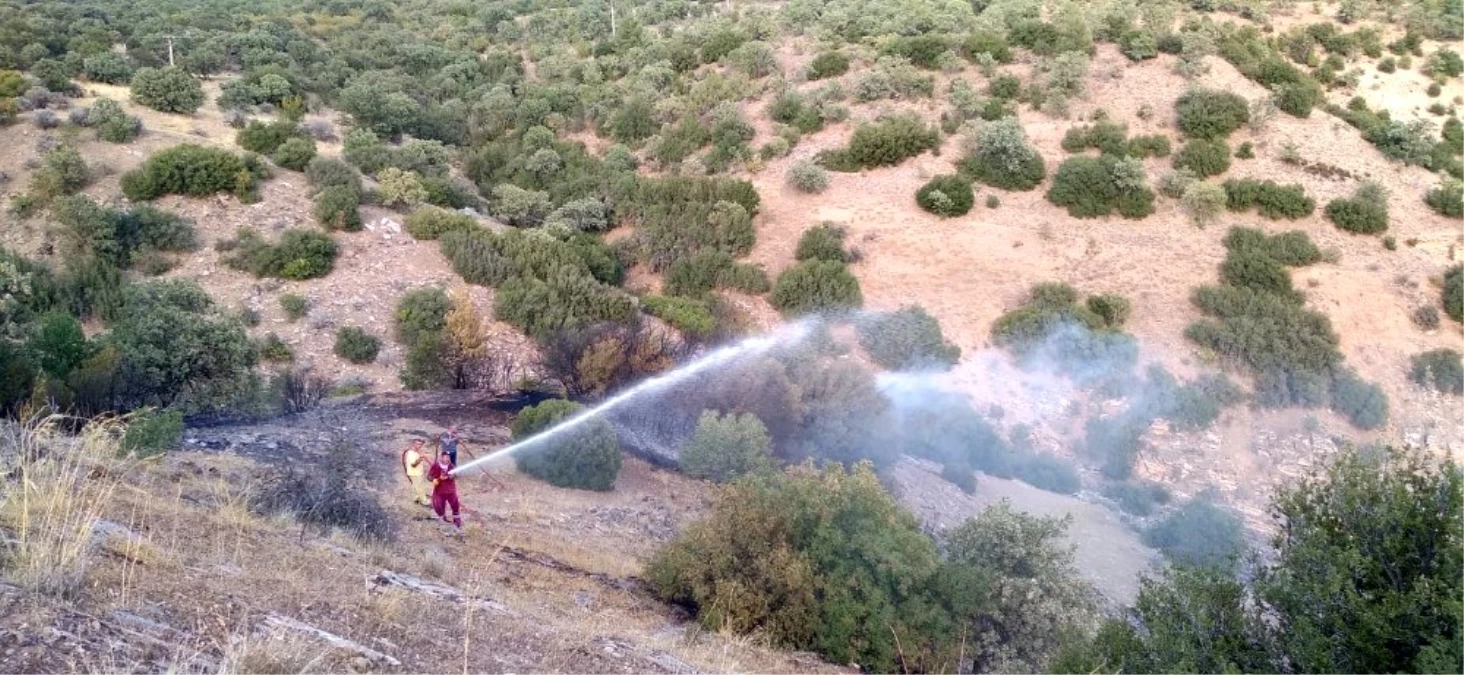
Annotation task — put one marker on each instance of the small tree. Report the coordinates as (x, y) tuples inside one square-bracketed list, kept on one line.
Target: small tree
[(1000, 156), (586, 456), (725, 447), (1211, 114), (294, 154), (168, 90), (420, 312)]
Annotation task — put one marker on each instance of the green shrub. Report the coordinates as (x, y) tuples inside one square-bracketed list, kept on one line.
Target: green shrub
[(946, 196), (1136, 497), (420, 312), (1362, 403), (991, 43), (1387, 65), (1454, 293), (1447, 198), (992, 201), (336, 208), (815, 286), (1204, 157), (265, 138), (724, 448), (167, 89), (300, 254), (828, 64), (326, 172), (824, 242), (1112, 310), (1245, 151), (811, 560), (294, 154), (693, 317), (886, 142), (563, 301), (708, 269), (1293, 248), (1151, 145), (1439, 369), (272, 348), (906, 339), (152, 432), (427, 223), (356, 345), (112, 124), (62, 172), (807, 176), (1365, 212), (191, 170), (1210, 114), (295, 306), (1090, 187), (1199, 534), (1048, 472), (401, 188), (1001, 157), (1204, 202), (586, 457), (1107, 137), (1274, 200), (1005, 87)]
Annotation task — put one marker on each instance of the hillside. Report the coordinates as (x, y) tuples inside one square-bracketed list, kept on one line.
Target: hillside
[(353, 223)]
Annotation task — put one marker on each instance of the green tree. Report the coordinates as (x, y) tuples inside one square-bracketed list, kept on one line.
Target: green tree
[(723, 448), (908, 338), (168, 89), (420, 312), (1012, 583), (172, 338), (58, 344)]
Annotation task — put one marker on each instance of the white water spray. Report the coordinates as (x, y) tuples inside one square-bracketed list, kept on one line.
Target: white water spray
[(788, 334)]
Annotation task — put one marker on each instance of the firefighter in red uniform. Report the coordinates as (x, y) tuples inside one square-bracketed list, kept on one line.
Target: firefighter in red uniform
[(444, 490)]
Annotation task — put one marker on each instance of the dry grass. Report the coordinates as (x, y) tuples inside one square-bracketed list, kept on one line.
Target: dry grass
[(272, 654), (54, 507)]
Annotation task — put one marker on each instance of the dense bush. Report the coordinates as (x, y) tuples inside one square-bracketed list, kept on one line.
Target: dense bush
[(62, 172), (807, 176), (709, 269), (562, 301), (420, 312), (119, 238), (725, 447), (1051, 330), (1365, 212), (1454, 292), (815, 286), (337, 208), (427, 223), (356, 345), (1364, 404), (1210, 113), (947, 196), (1137, 498), (167, 89), (999, 156), (586, 457), (693, 317), (1274, 200), (1447, 198), (824, 242), (1106, 137), (112, 124), (906, 339), (1204, 157), (1439, 369), (191, 170), (1090, 187), (299, 254), (294, 154), (1199, 533), (326, 172), (887, 142), (828, 64), (265, 138)]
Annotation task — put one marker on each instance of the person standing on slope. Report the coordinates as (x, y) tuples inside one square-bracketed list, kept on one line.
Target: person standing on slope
[(448, 442), (444, 490), (414, 464)]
